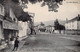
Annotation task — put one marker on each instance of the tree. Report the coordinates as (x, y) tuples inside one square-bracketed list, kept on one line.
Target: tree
[(25, 17), (42, 27), (58, 26), (42, 24), (18, 5), (14, 5), (52, 4)]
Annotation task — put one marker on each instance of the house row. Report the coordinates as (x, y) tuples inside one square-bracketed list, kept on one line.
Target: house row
[(73, 26), (10, 26)]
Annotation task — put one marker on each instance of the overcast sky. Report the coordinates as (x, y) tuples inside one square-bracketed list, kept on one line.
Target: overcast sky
[(67, 10)]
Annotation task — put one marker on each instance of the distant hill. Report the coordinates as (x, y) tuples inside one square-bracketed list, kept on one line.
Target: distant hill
[(62, 22), (51, 22)]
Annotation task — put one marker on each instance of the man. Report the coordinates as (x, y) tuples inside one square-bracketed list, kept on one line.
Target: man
[(33, 31), (30, 23), (16, 44)]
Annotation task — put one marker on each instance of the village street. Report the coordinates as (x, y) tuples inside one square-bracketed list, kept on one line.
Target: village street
[(46, 42), (57, 23)]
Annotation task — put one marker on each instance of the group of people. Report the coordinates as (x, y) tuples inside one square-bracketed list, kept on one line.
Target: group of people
[(14, 42)]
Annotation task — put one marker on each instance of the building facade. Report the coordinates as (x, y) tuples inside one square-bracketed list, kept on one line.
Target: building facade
[(1, 20), (73, 26), (50, 29), (9, 27), (41, 28), (24, 26)]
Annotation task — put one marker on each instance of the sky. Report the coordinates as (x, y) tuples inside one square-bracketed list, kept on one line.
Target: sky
[(67, 10)]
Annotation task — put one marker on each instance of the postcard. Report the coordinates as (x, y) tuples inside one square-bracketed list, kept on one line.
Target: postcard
[(39, 25)]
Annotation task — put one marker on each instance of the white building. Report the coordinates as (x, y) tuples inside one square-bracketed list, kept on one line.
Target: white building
[(8, 25), (50, 29), (41, 28), (73, 25), (24, 26)]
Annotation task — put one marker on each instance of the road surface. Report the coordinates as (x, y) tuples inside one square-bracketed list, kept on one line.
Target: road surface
[(46, 42)]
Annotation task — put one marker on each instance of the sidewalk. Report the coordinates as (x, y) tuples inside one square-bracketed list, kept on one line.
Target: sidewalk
[(21, 38), (9, 49)]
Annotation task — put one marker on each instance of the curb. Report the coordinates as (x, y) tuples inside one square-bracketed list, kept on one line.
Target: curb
[(75, 39)]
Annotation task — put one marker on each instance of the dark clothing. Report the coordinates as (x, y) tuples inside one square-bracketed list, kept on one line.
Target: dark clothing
[(11, 39), (15, 48), (16, 43), (32, 31)]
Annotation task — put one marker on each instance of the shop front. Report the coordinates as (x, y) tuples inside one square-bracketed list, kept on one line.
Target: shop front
[(10, 30), (2, 41)]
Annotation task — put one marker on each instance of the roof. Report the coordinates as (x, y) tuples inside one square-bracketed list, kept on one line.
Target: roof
[(74, 19)]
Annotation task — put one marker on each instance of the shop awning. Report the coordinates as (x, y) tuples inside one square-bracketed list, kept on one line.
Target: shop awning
[(10, 25)]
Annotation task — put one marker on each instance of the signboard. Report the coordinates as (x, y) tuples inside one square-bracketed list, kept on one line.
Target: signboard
[(9, 25)]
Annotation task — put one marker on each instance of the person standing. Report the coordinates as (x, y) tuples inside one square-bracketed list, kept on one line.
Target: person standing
[(16, 44), (31, 27)]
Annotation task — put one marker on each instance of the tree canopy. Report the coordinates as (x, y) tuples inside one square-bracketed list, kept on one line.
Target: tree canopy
[(25, 17), (17, 9), (42, 24), (52, 4), (58, 26), (19, 5)]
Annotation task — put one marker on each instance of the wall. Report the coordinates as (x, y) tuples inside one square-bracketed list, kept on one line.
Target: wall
[(74, 25), (56, 31), (75, 28), (72, 32), (24, 26), (78, 25), (71, 25)]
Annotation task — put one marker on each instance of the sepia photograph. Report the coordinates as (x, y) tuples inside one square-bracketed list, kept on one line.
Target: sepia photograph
[(39, 25)]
